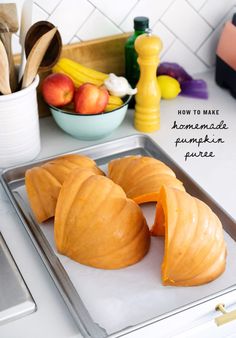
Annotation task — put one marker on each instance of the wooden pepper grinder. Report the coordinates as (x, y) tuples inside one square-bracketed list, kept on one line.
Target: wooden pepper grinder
[(147, 107)]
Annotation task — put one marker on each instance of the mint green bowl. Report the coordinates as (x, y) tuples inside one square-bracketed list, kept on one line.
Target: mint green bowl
[(90, 127)]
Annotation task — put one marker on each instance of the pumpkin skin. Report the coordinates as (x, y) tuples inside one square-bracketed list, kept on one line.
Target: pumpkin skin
[(141, 177), (195, 250), (96, 225), (43, 183)]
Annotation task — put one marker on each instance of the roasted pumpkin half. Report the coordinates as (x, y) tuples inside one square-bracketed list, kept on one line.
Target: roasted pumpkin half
[(43, 183), (141, 177), (97, 225), (195, 250)]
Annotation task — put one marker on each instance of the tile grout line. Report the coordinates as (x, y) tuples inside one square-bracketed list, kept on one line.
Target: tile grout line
[(205, 40), (174, 37), (171, 44), (167, 8), (42, 9), (59, 2), (217, 27), (131, 9), (109, 19), (112, 22), (177, 37), (83, 23), (225, 15), (74, 37), (199, 14), (202, 5), (189, 49)]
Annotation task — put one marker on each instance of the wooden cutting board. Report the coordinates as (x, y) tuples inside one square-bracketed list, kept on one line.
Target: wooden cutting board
[(105, 54)]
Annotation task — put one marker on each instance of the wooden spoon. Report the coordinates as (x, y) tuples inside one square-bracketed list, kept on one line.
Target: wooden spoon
[(54, 50), (8, 14), (35, 57), (9, 25), (25, 23), (4, 71)]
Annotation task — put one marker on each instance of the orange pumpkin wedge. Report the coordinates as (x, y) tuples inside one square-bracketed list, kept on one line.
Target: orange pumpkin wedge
[(43, 183), (97, 225), (195, 250), (141, 177)]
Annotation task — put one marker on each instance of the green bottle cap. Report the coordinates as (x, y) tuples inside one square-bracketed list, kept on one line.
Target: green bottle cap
[(141, 23)]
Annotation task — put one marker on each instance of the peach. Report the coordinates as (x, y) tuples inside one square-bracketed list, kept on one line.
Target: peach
[(90, 99), (58, 89)]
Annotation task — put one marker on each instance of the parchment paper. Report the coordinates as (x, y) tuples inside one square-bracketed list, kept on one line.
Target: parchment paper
[(117, 299)]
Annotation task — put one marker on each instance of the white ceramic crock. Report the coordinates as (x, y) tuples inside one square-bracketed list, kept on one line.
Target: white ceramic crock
[(19, 126)]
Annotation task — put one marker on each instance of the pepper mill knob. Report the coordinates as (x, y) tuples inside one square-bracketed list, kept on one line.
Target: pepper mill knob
[(148, 45), (147, 107)]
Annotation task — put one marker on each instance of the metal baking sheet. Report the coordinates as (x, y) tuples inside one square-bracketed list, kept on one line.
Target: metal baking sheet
[(15, 298), (93, 305)]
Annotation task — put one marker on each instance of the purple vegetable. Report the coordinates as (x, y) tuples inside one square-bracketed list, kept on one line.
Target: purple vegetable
[(189, 86), (174, 70), (194, 88)]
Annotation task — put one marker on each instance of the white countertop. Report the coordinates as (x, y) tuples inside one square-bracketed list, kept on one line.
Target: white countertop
[(216, 175)]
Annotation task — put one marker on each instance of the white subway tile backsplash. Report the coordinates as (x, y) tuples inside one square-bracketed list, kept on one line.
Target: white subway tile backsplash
[(75, 39), (38, 14), (151, 8), (214, 11), (48, 5), (97, 26), (69, 16), (166, 36), (186, 24), (180, 54), (15, 44), (208, 49), (197, 4), (116, 13), (189, 29)]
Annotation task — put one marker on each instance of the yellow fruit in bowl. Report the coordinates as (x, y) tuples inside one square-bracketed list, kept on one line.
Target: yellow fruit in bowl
[(170, 87)]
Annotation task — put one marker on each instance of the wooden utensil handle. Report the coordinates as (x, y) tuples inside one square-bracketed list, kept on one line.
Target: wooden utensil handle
[(6, 40)]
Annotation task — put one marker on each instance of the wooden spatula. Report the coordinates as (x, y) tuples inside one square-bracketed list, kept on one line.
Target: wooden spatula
[(4, 71), (35, 57), (9, 25), (8, 15), (25, 23)]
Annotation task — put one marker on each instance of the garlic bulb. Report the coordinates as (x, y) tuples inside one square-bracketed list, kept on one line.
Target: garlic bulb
[(118, 86)]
